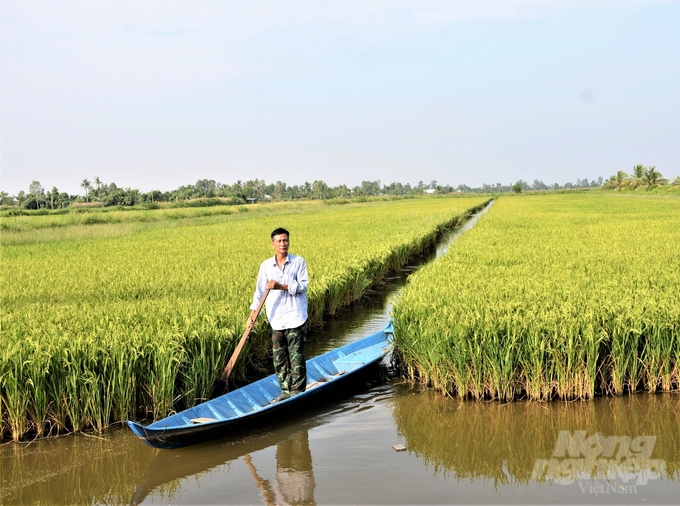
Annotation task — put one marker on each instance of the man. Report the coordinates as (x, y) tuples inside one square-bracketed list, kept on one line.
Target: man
[(286, 275)]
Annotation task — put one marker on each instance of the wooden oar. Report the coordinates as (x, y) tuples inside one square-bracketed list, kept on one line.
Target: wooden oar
[(267, 493), (234, 356)]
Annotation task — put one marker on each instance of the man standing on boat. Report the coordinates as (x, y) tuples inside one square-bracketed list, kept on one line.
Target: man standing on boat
[(286, 305)]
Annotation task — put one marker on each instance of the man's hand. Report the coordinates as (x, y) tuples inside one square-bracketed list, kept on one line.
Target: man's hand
[(253, 317), (275, 285)]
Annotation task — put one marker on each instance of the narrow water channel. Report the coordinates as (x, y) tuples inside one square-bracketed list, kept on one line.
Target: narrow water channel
[(610, 450), (374, 312)]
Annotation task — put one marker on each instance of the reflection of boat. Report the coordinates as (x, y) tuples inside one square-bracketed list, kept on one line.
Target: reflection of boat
[(166, 469), (251, 404)]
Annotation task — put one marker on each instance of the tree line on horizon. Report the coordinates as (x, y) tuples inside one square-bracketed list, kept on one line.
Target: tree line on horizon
[(641, 177), (98, 192)]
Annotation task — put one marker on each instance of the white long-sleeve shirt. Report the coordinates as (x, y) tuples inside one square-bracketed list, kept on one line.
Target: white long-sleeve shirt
[(286, 309)]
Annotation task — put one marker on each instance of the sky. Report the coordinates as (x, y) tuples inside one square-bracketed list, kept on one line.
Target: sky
[(159, 94)]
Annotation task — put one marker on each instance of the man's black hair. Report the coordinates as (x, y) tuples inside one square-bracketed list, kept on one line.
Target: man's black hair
[(280, 231)]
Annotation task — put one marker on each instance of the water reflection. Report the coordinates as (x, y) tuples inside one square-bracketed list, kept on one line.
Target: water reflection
[(469, 452), (294, 474), (73, 470), (631, 438), (294, 482)]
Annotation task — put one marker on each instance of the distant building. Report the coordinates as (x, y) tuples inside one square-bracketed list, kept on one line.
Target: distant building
[(430, 191)]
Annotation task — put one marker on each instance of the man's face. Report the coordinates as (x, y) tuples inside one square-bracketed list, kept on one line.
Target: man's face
[(280, 244)]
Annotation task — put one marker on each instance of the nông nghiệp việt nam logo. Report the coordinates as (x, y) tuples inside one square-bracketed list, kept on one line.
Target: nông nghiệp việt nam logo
[(599, 463)]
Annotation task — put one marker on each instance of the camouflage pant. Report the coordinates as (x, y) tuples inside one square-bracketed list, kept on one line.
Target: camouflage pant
[(289, 359)]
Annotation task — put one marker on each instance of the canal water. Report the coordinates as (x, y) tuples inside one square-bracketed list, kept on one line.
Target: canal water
[(623, 450)]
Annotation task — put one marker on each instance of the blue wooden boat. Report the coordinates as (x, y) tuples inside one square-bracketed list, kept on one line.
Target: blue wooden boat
[(251, 405), (203, 459)]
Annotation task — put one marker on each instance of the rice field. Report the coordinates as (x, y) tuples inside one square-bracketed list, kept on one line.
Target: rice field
[(551, 296), (54, 224), (98, 329)]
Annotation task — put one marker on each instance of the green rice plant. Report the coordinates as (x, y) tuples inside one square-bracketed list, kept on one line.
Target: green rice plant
[(551, 296), (39, 400), (336, 296), (167, 356), (360, 282), (14, 400)]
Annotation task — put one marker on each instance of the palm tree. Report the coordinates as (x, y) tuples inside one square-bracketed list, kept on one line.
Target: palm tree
[(676, 180), (638, 174), (98, 182), (86, 185), (652, 176), (620, 178)]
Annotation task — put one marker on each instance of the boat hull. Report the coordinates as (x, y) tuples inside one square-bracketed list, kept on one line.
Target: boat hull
[(329, 375)]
